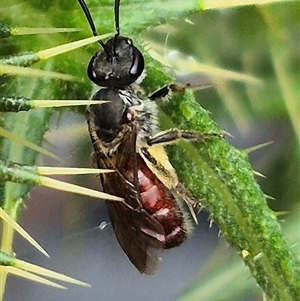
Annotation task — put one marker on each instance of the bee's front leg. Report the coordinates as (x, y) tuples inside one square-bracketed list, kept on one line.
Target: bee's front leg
[(164, 91)]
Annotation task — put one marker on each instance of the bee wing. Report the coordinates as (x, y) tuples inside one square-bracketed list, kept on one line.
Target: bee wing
[(140, 235)]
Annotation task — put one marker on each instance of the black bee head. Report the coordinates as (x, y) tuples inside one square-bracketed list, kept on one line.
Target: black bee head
[(118, 64)]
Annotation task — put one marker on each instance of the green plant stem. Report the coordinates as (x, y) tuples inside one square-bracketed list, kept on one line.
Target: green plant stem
[(222, 178)]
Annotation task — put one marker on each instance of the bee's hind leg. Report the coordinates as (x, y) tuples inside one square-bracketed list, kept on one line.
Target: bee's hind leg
[(173, 135)]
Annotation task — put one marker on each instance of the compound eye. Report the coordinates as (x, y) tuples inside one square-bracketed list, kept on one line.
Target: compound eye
[(129, 42), (138, 63)]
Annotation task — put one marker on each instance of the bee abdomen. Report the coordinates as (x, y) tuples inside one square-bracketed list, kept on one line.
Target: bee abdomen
[(161, 204)]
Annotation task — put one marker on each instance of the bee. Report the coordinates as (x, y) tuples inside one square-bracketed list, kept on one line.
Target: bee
[(126, 139)]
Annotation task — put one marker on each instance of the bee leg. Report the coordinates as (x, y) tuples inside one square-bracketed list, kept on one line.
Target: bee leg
[(173, 135), (164, 91)]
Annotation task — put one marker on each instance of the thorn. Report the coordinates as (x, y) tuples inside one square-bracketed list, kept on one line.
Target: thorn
[(256, 147), (256, 173)]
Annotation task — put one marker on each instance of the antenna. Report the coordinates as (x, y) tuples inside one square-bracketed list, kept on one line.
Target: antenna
[(91, 22), (117, 6), (117, 18)]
